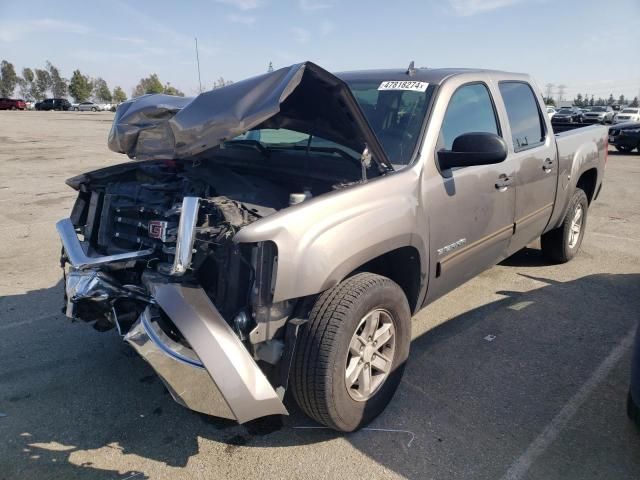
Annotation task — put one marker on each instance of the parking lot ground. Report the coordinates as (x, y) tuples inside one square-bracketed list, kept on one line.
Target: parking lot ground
[(522, 373)]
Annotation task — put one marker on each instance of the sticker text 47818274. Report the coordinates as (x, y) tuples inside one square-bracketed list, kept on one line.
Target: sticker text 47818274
[(404, 85)]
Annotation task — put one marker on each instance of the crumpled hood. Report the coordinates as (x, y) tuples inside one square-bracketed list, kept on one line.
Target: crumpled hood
[(302, 97)]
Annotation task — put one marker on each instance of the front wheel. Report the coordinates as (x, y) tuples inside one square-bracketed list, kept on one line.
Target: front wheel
[(561, 244), (624, 149), (352, 352), (94, 109)]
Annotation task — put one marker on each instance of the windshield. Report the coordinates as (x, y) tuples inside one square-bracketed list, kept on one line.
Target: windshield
[(599, 109), (395, 116), (566, 110), (630, 110)]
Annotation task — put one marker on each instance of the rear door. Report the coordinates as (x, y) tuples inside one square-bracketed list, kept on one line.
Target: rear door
[(534, 151)]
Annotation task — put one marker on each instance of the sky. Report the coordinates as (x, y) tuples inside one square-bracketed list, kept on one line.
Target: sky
[(588, 45)]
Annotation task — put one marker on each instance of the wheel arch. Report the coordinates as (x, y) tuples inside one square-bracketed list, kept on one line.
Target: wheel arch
[(587, 183)]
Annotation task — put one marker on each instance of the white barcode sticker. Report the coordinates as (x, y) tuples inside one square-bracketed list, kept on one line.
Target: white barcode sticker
[(404, 85)]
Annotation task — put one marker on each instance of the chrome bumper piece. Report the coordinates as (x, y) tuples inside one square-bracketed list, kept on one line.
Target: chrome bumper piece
[(218, 377)]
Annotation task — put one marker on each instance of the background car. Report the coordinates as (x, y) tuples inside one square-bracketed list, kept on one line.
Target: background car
[(54, 104), (625, 136), (599, 114), (551, 111), (87, 107), (568, 115), (12, 104), (629, 114)]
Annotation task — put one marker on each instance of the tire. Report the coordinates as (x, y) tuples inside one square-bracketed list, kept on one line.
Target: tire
[(558, 245), (93, 109), (76, 109), (323, 352), (624, 149)]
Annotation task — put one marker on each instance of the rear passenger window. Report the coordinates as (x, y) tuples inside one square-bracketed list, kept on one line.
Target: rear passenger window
[(470, 110), (527, 128)]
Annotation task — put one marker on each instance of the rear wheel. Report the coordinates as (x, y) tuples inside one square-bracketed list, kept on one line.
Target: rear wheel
[(624, 148), (561, 244), (351, 354), (93, 109)]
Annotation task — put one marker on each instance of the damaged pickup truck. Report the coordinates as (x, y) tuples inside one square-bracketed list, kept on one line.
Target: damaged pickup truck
[(281, 231)]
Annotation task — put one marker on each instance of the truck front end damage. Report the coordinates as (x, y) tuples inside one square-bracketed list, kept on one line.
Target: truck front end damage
[(163, 308)]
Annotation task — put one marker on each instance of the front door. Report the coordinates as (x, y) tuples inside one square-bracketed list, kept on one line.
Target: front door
[(471, 208), (534, 150)]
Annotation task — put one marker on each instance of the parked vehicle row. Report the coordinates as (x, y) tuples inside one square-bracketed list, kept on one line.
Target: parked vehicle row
[(60, 104), (629, 114), (91, 107), (625, 136)]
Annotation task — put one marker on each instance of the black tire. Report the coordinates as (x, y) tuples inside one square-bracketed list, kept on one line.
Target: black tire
[(93, 109), (624, 149), (555, 243), (318, 372), (633, 410)]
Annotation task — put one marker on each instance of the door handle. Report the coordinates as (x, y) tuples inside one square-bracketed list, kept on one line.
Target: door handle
[(503, 183), (547, 166)]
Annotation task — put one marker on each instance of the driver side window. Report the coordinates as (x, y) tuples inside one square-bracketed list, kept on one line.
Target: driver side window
[(470, 110)]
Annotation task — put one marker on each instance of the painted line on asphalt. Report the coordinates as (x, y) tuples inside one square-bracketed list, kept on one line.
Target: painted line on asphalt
[(27, 322), (520, 467)]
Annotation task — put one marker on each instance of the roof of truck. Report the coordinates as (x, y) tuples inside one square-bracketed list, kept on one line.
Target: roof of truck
[(430, 75)]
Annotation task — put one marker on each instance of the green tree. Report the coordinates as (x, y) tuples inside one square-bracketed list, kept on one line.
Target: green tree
[(221, 82), (80, 86), (101, 90), (8, 79), (59, 85), (150, 84), (549, 101), (118, 95), (591, 101), (25, 84), (578, 100), (42, 84), (171, 90), (634, 103), (270, 67), (622, 100), (611, 100)]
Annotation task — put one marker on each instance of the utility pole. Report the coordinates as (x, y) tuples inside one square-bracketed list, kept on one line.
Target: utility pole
[(549, 89), (198, 62), (561, 89)]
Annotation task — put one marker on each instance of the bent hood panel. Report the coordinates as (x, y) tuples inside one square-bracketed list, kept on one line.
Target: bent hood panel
[(302, 97)]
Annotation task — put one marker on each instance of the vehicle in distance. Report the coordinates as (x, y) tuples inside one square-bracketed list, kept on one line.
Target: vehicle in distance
[(625, 136), (568, 115), (279, 233), (54, 104), (599, 114), (629, 114), (12, 104), (86, 107), (551, 111)]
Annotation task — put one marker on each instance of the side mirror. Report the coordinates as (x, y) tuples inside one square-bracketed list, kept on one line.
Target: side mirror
[(476, 148)]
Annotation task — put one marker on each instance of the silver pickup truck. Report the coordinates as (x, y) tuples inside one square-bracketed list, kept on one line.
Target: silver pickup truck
[(279, 233)]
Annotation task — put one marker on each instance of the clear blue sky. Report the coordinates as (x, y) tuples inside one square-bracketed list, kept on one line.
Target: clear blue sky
[(589, 45)]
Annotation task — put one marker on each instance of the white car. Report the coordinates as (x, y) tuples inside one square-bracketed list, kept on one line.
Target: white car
[(627, 115), (551, 111)]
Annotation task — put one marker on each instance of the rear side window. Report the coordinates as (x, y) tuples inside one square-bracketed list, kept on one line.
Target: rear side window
[(470, 110), (527, 128)]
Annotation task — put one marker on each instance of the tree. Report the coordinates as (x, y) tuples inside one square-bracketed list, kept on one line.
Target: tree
[(25, 84), (549, 101), (118, 95), (270, 67), (634, 103), (80, 86), (170, 90), (221, 82), (101, 90), (42, 84), (150, 84), (611, 100), (59, 85), (578, 101), (8, 79), (591, 102), (622, 100)]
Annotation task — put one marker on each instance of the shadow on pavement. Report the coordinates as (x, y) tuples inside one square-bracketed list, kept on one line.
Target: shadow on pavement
[(477, 390)]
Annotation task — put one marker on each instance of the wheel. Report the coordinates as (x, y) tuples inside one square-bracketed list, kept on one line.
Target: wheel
[(624, 148), (633, 410), (561, 244), (13, 108), (93, 109), (352, 352), (76, 109)]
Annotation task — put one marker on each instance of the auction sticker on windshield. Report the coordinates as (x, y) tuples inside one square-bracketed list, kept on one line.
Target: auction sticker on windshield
[(404, 85)]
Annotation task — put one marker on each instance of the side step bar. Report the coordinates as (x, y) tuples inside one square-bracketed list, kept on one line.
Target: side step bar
[(218, 377)]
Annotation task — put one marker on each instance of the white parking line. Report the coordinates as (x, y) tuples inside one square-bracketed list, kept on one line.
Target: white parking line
[(520, 467)]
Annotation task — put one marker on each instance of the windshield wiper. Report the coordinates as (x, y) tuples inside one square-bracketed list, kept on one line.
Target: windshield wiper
[(332, 150), (249, 143)]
